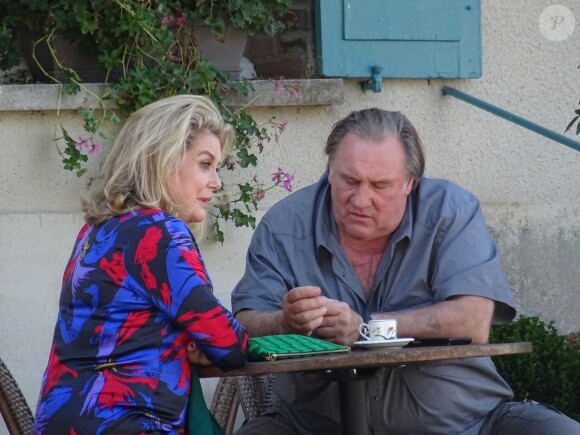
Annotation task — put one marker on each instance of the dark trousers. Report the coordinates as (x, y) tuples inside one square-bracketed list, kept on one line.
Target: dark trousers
[(510, 418)]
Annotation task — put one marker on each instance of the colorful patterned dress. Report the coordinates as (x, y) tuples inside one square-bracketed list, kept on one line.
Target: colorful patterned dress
[(134, 293)]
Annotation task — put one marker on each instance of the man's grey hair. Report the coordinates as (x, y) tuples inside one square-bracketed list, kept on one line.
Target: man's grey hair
[(375, 125)]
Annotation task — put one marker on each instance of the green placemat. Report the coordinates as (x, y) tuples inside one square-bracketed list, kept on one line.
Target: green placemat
[(272, 347)]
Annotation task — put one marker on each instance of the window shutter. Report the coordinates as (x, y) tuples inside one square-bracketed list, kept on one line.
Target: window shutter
[(405, 38)]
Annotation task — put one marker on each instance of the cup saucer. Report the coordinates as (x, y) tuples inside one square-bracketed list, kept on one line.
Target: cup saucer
[(383, 344)]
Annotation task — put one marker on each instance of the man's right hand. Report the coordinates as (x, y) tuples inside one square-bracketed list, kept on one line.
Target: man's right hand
[(304, 309)]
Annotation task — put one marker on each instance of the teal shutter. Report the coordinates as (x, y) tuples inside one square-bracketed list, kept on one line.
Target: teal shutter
[(405, 38)]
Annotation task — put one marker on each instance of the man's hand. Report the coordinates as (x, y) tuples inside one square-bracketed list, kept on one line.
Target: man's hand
[(196, 356), (340, 324), (304, 309)]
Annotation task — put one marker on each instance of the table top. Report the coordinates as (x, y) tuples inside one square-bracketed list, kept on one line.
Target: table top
[(370, 358)]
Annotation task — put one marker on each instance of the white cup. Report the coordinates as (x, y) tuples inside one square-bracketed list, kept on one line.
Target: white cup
[(377, 330)]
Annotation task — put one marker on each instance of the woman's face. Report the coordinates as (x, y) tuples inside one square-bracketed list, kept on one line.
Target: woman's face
[(196, 179)]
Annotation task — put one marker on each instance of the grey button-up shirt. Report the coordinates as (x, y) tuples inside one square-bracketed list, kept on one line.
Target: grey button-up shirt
[(441, 248)]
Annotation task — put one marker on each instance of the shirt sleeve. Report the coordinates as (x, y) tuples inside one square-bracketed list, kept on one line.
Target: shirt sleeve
[(467, 260), (264, 283), (171, 269)]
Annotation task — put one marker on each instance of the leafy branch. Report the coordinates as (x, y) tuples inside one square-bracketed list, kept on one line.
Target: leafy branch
[(150, 46)]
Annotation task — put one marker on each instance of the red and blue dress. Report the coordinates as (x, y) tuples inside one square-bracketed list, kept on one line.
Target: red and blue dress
[(134, 293)]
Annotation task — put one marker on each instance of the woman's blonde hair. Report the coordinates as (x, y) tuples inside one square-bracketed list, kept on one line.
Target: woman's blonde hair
[(147, 152)]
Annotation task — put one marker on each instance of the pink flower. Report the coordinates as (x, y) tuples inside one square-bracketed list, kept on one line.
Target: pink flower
[(82, 143), (292, 89), (96, 149), (180, 21), (166, 20), (284, 178), (279, 128), (287, 184), (92, 148), (258, 195), (277, 176)]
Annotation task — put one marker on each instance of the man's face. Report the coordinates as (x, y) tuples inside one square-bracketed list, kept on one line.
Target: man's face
[(369, 187)]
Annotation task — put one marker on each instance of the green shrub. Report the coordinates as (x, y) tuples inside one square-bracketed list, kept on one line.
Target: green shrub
[(550, 374)]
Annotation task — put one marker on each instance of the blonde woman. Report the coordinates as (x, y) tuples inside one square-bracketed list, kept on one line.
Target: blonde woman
[(135, 292)]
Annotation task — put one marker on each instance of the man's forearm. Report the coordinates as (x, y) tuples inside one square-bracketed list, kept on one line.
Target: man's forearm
[(259, 323), (462, 316)]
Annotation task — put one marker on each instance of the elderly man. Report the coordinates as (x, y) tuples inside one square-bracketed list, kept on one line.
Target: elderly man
[(373, 238)]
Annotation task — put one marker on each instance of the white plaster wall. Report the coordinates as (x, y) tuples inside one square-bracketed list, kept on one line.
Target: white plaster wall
[(529, 186)]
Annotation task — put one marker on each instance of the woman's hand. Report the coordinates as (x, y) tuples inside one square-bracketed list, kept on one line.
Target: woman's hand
[(196, 356)]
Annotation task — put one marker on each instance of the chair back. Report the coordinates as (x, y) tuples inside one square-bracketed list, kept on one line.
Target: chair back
[(13, 406)]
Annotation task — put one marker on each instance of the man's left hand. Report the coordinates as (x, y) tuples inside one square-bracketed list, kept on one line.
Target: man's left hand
[(340, 324)]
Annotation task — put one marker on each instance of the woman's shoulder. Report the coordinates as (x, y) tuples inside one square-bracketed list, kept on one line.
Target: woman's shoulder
[(150, 224), (143, 218)]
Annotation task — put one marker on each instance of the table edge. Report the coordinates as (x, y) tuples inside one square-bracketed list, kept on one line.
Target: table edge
[(373, 358)]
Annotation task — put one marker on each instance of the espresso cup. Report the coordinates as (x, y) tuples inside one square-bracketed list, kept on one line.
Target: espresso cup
[(379, 330)]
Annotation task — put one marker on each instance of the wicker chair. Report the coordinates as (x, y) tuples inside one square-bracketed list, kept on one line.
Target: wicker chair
[(15, 411), (253, 393)]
